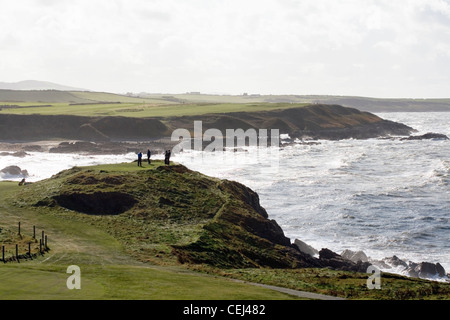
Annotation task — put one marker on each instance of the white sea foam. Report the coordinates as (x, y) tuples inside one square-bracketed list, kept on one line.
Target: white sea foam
[(42, 165)]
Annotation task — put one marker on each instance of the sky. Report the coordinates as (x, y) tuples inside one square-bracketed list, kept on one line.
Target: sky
[(372, 48)]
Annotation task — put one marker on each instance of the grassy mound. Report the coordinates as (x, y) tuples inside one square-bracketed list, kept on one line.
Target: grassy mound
[(166, 213)]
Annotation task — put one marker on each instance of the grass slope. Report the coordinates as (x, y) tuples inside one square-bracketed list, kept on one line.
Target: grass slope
[(136, 254), (107, 270), (84, 103), (361, 103), (163, 214), (142, 109)]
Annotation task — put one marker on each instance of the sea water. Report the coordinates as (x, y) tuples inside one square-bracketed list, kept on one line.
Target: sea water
[(382, 196)]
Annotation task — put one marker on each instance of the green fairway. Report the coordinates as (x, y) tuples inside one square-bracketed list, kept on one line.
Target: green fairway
[(140, 110), (47, 281), (84, 103), (107, 271), (87, 103)]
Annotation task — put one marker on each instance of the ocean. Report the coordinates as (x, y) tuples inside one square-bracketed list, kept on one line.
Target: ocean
[(382, 196)]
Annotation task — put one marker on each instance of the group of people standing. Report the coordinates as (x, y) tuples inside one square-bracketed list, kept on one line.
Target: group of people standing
[(149, 154)]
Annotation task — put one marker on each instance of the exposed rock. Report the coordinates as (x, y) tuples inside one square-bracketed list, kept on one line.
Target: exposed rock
[(14, 171), (18, 154), (112, 147), (245, 194), (426, 270), (78, 146), (380, 264), (35, 148), (428, 136), (305, 248), (337, 262), (355, 256), (88, 132), (413, 269), (394, 261)]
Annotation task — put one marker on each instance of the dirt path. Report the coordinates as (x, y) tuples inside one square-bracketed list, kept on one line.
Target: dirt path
[(301, 294)]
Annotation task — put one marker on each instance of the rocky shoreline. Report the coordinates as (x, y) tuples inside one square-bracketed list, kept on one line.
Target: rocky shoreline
[(358, 261), (21, 149)]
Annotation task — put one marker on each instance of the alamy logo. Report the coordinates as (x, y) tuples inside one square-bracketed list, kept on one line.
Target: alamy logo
[(265, 141), (74, 281), (374, 281)]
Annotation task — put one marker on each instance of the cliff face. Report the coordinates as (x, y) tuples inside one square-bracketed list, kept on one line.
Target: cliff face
[(37, 127), (317, 121), (241, 235), (331, 122)]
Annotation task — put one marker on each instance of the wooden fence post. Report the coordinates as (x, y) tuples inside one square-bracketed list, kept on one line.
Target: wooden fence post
[(46, 247), (34, 232), (29, 249), (19, 228), (3, 254), (40, 245), (17, 252)]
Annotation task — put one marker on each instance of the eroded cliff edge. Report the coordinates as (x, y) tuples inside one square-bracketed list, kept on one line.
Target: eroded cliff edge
[(315, 121)]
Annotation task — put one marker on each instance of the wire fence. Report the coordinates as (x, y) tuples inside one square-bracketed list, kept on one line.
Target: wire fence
[(24, 246)]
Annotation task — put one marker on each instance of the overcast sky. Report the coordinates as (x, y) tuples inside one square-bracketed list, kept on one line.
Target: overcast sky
[(376, 48)]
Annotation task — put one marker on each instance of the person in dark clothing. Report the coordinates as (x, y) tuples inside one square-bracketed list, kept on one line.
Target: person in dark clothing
[(149, 154), (140, 159), (167, 157)]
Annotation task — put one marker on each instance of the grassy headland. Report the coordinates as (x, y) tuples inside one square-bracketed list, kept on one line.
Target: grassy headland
[(145, 232), (94, 116)]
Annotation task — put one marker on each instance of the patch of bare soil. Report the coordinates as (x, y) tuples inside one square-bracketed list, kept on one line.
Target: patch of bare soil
[(98, 203)]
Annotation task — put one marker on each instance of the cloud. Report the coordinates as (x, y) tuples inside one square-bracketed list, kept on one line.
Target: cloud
[(267, 46)]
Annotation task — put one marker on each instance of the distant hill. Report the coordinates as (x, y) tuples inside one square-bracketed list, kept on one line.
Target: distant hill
[(36, 85), (58, 96), (360, 103), (45, 92)]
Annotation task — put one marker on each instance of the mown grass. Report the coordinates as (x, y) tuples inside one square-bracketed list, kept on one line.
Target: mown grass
[(144, 109), (47, 281), (108, 270)]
